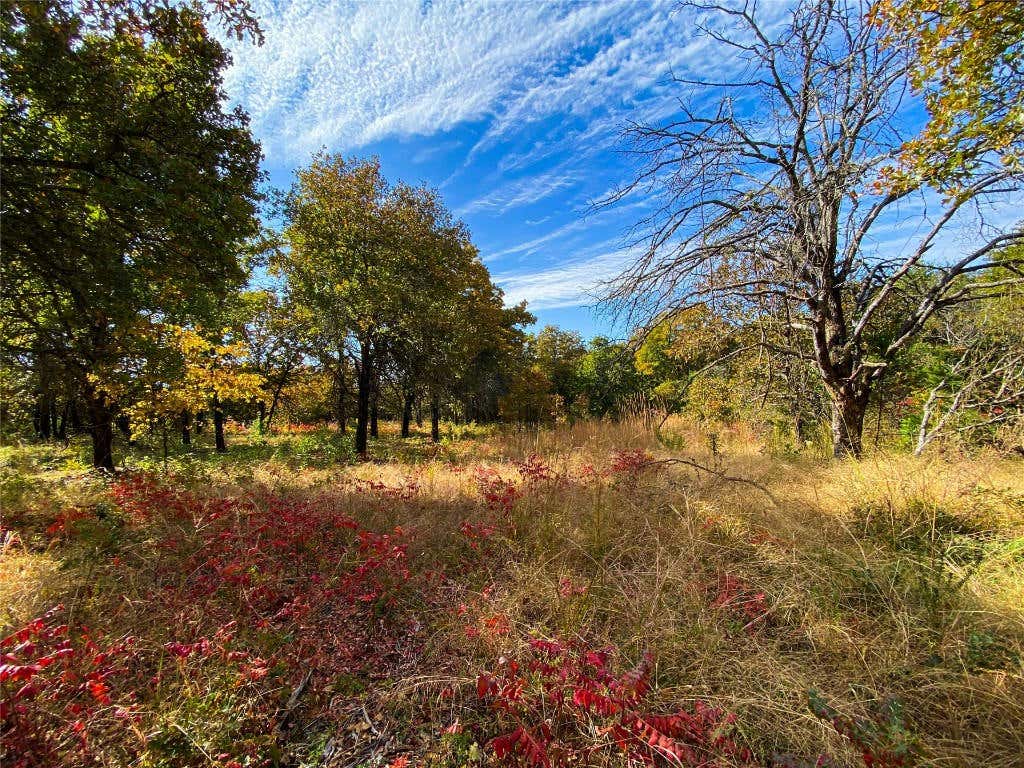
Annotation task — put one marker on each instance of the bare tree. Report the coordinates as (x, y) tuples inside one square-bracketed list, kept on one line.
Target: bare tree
[(979, 382), (776, 195)]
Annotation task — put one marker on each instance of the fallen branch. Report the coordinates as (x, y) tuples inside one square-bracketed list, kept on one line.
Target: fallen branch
[(293, 701), (715, 472), (368, 721)]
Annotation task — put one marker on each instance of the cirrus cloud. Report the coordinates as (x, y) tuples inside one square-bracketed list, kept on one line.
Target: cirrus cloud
[(347, 74)]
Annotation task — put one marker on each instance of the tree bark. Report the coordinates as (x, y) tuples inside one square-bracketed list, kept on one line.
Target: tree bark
[(62, 430), (339, 382), (218, 427), (339, 407), (186, 428), (363, 402), (848, 411), (101, 429), (76, 417), (374, 396), (435, 419), (42, 417), (406, 414), (276, 399)]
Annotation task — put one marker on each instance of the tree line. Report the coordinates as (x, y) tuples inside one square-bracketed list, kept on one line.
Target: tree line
[(769, 284)]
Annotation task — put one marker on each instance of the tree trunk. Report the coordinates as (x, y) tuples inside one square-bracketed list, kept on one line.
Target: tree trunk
[(186, 428), (339, 407), (76, 417), (276, 399), (101, 429), (363, 403), (848, 411), (435, 419), (62, 430), (42, 417), (374, 396), (54, 426), (406, 414), (218, 427), (261, 415), (341, 404)]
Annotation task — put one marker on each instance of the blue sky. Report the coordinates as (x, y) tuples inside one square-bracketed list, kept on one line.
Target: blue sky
[(514, 110)]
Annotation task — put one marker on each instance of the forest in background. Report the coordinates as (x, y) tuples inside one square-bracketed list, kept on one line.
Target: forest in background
[(132, 200)]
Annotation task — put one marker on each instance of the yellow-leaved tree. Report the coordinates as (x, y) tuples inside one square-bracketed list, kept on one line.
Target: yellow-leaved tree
[(967, 61), (206, 371)]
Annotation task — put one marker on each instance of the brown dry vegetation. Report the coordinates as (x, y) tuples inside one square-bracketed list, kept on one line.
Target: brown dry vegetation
[(888, 577)]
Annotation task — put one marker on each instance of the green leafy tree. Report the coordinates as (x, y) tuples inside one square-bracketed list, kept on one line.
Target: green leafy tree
[(606, 374), (455, 318), (208, 369), (382, 266), (968, 63), (128, 189), (557, 354), (500, 357), (273, 332), (682, 346), (344, 259), (530, 398), (429, 346)]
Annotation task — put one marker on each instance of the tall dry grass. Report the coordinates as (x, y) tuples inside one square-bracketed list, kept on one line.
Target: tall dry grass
[(889, 577)]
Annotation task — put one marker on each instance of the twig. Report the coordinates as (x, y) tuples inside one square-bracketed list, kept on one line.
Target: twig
[(369, 722), (716, 473), (293, 700)]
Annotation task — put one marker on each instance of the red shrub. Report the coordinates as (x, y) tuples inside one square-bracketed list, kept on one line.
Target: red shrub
[(476, 533), (229, 577), (629, 465), (735, 597), (563, 693), (59, 688), (498, 493), (534, 469)]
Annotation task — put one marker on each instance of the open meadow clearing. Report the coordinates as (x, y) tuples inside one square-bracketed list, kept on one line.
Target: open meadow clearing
[(528, 384), (557, 597)]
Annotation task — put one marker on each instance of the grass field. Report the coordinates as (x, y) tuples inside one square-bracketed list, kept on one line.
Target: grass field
[(579, 596)]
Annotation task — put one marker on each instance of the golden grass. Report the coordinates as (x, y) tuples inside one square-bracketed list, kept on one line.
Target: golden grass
[(892, 576)]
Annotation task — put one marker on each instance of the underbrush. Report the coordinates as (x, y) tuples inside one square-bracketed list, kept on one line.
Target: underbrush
[(537, 598)]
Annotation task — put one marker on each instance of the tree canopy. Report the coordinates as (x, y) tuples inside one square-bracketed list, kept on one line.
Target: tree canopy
[(135, 255), (967, 60), (128, 190)]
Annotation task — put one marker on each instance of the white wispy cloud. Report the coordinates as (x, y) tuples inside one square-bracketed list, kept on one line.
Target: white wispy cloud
[(573, 284), (345, 74), (550, 82), (521, 192), (613, 79), (425, 154), (583, 281), (531, 246)]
